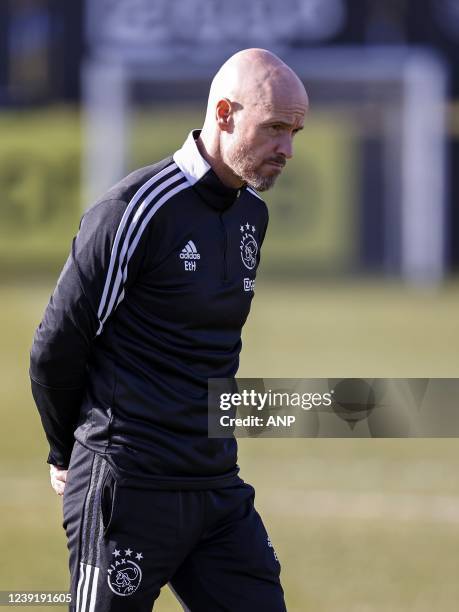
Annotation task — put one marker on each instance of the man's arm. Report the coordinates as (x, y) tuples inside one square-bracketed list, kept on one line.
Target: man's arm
[(58, 360), (89, 289)]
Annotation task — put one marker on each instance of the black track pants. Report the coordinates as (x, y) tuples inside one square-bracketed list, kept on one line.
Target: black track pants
[(126, 543)]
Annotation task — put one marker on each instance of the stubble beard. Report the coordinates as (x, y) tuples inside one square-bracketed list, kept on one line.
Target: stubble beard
[(243, 165)]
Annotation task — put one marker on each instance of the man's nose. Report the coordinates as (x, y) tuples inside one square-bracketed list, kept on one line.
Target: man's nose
[(285, 146)]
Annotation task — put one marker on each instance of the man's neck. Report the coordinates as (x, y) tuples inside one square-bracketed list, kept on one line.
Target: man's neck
[(212, 156)]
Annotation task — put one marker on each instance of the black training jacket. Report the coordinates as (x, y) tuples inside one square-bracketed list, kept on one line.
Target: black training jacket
[(149, 305)]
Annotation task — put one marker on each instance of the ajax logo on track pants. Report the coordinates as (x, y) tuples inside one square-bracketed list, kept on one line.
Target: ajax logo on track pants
[(126, 543)]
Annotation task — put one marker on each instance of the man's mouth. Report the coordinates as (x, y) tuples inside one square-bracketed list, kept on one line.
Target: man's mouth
[(278, 165)]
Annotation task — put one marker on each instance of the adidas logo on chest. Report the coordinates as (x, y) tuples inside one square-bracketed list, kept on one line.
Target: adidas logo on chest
[(190, 254)]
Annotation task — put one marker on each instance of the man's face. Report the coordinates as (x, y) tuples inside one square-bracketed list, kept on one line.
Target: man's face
[(262, 141)]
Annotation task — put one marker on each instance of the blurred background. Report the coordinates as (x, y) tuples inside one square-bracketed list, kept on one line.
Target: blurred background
[(359, 270)]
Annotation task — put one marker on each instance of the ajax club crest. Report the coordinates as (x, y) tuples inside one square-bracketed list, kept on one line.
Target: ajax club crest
[(124, 574), (249, 247)]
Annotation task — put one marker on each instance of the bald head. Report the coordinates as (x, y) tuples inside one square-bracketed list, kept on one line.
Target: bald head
[(256, 105), (253, 78)]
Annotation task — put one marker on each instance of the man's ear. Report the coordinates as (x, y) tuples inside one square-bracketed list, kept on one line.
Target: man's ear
[(223, 115)]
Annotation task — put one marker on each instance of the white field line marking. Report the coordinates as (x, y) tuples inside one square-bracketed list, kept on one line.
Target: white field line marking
[(361, 505), (295, 502)]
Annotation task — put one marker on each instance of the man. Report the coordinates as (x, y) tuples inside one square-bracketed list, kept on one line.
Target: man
[(149, 306)]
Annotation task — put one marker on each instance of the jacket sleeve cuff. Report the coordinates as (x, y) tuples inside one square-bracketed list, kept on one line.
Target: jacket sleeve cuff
[(60, 460), (59, 411)]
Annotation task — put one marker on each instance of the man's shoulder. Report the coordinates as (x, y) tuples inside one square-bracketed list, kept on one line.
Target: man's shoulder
[(256, 200), (251, 191), (129, 193), (125, 190)]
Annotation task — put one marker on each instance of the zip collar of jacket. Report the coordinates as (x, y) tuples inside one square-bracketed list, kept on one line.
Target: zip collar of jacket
[(201, 176)]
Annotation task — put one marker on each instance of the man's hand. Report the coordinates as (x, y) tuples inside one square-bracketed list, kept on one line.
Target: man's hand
[(58, 478)]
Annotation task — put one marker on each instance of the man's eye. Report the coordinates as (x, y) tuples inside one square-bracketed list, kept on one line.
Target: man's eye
[(276, 128)]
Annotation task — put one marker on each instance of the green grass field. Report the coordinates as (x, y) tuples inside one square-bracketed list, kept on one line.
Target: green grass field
[(359, 525)]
